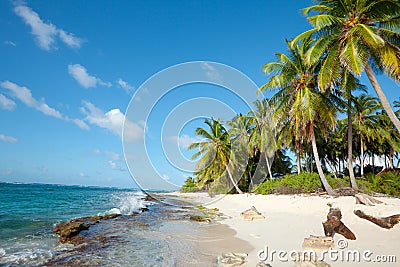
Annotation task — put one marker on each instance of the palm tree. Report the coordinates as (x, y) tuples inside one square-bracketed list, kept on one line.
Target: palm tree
[(356, 35), (298, 99), (348, 84), (215, 149), (262, 137), (365, 107), (240, 127)]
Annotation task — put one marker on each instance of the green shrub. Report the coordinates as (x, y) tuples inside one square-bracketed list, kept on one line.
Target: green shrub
[(189, 186), (386, 183), (291, 184)]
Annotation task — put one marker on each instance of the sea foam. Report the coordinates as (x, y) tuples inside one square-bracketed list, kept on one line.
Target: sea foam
[(127, 203)]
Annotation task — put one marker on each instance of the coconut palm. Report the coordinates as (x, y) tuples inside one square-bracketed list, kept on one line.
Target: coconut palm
[(298, 99), (356, 35), (215, 151), (240, 128), (365, 108), (262, 137)]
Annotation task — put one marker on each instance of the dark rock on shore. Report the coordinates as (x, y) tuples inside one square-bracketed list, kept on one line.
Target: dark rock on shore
[(68, 231)]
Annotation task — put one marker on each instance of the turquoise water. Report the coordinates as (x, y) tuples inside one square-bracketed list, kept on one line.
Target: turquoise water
[(28, 213)]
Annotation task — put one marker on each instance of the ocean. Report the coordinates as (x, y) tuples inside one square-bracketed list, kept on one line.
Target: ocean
[(161, 236)]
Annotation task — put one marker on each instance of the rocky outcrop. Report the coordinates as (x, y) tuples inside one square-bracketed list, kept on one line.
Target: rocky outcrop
[(231, 259), (252, 214), (68, 231)]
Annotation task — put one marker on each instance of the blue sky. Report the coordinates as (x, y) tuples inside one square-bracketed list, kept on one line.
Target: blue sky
[(70, 68)]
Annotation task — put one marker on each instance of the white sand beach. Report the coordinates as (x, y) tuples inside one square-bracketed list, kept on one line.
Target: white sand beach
[(291, 218)]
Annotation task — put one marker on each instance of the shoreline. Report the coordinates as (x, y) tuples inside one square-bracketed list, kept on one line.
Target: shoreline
[(291, 218)]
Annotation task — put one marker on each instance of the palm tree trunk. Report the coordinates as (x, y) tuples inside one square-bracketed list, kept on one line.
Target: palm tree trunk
[(373, 163), (385, 103), (298, 157), (391, 154), (233, 181), (325, 183), (362, 156), (350, 144), (306, 163), (331, 166), (268, 166)]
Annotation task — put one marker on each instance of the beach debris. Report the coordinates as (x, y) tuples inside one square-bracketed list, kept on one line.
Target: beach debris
[(318, 243), (335, 225), (366, 200), (68, 230), (232, 259), (252, 214), (384, 222)]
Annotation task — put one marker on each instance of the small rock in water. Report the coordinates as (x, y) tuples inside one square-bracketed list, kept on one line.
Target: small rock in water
[(232, 259), (198, 218), (252, 214)]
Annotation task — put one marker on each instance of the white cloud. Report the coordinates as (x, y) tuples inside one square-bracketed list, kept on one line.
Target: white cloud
[(6, 103), (25, 96), (10, 43), (165, 177), (113, 155), (184, 141), (8, 139), (80, 74), (113, 121), (211, 72), (83, 175), (80, 123), (124, 85), (70, 39), (45, 33), (114, 166)]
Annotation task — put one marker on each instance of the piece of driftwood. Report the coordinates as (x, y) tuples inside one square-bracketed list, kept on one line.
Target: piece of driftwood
[(252, 214), (335, 225), (384, 222), (366, 199), (318, 243)]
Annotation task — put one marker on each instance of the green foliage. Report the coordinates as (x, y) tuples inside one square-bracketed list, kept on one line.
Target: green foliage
[(292, 184), (386, 183), (219, 188), (304, 182), (189, 186)]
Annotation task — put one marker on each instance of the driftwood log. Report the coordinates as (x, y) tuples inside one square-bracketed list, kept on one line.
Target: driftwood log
[(366, 199), (384, 222), (335, 225)]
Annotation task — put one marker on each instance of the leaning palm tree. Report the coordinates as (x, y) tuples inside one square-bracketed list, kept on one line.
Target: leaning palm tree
[(215, 149), (298, 99), (356, 35)]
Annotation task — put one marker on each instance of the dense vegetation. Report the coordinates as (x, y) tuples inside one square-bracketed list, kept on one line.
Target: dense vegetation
[(316, 82)]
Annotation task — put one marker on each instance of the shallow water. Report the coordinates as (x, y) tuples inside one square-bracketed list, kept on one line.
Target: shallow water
[(162, 236)]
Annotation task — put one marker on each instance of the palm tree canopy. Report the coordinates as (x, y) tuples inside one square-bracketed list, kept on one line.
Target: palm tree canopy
[(354, 32)]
